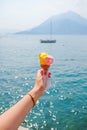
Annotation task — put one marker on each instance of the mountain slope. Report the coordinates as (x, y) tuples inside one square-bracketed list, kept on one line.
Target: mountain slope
[(67, 23)]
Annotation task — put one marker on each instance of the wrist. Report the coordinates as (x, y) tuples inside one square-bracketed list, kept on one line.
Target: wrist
[(33, 98), (33, 95)]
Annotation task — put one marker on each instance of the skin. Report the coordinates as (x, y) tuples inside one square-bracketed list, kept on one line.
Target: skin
[(13, 117)]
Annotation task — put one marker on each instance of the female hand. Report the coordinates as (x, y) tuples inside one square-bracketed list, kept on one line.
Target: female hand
[(39, 86)]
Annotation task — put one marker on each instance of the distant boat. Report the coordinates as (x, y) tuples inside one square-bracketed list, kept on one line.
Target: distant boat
[(51, 40), (48, 41)]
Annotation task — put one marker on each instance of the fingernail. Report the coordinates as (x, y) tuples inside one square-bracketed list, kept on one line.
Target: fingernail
[(49, 75), (41, 72), (45, 72)]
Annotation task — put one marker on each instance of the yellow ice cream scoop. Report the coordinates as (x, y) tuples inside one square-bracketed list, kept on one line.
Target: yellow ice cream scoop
[(42, 57)]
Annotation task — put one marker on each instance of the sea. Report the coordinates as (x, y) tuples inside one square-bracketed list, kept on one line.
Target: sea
[(64, 104)]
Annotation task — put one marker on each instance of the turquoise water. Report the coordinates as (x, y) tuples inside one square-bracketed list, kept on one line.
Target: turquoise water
[(64, 104)]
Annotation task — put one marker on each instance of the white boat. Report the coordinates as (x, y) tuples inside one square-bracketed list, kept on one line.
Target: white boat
[(50, 40)]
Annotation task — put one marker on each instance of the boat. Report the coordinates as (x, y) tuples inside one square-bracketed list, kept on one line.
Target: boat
[(48, 41), (51, 40)]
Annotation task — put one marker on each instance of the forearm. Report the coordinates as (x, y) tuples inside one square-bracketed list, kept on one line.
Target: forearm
[(13, 117)]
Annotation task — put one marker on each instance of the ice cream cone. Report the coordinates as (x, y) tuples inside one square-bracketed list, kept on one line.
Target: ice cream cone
[(45, 67), (45, 60)]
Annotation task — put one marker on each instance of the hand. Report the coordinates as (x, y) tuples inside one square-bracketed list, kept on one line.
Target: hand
[(39, 86)]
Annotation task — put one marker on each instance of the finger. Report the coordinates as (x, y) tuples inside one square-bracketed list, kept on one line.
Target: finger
[(39, 73), (49, 75), (42, 72)]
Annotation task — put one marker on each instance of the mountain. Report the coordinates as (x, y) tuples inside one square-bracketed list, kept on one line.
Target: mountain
[(66, 23)]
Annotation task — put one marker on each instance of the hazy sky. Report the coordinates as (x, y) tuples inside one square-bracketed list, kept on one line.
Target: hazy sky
[(25, 14)]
